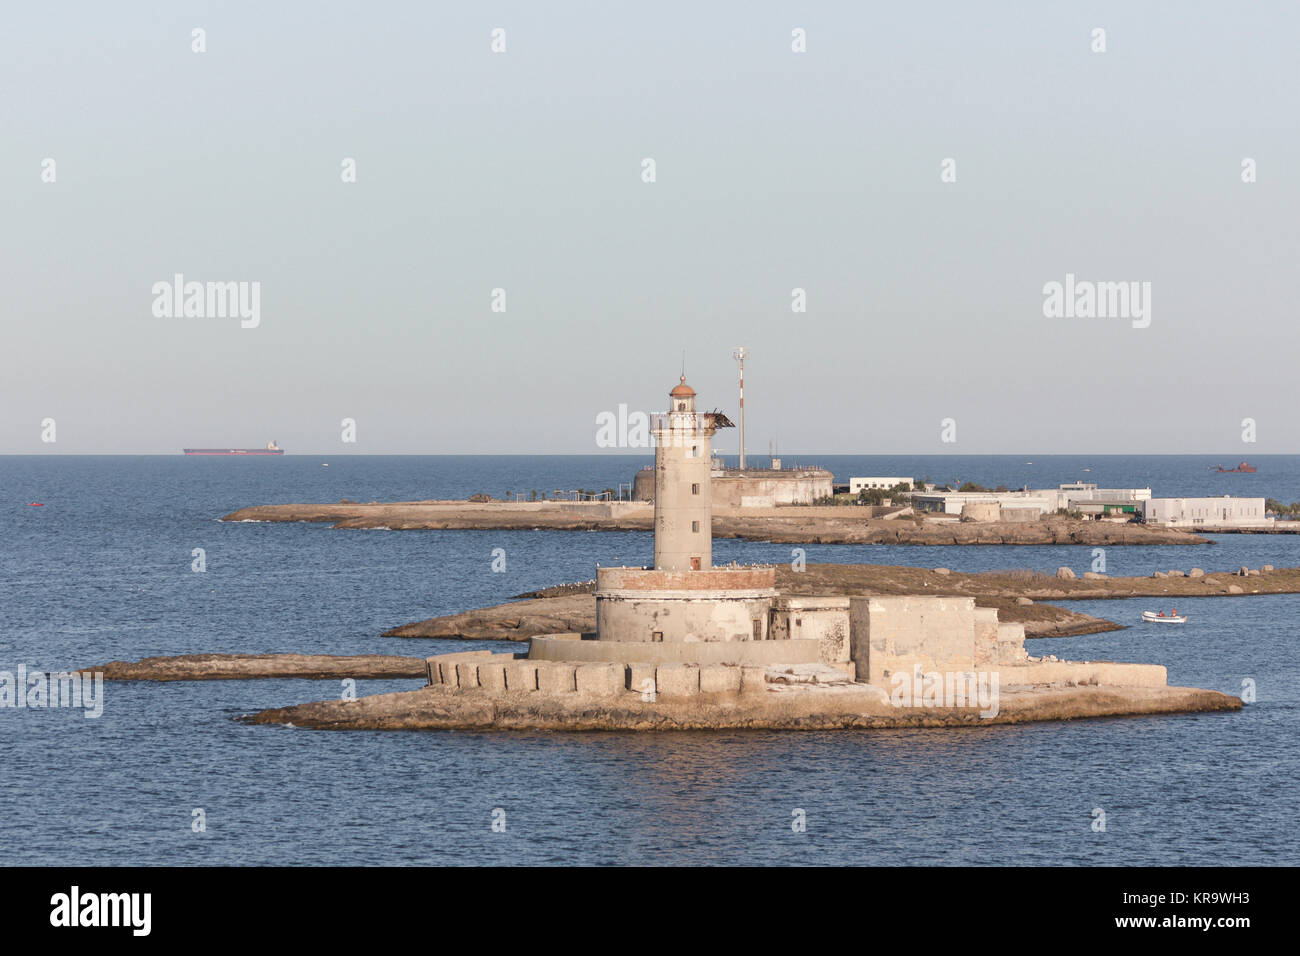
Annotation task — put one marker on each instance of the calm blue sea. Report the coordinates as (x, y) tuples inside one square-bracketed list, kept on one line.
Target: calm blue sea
[(103, 571)]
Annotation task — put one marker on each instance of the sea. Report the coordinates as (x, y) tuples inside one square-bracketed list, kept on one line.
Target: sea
[(100, 558)]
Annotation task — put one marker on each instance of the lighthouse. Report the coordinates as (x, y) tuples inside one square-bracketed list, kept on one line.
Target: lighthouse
[(683, 513)]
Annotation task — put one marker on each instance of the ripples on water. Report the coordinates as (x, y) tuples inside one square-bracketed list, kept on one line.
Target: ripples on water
[(102, 572)]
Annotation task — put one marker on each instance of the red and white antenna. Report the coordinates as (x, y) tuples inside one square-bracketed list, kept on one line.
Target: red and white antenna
[(739, 353)]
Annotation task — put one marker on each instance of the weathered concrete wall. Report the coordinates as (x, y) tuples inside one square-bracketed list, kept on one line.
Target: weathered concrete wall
[(757, 577), (677, 680), (597, 680), (600, 680), (521, 676), (647, 652), (986, 637), (722, 604), (450, 669), (891, 634), (716, 679), (765, 487), (556, 677), (682, 620), (821, 619), (981, 511), (1011, 644), (603, 509)]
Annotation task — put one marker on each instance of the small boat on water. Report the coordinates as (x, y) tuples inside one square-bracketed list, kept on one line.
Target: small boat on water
[(1243, 468), (1153, 617)]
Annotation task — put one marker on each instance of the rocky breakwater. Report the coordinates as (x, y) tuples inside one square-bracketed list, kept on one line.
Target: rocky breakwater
[(787, 525), (263, 666), (485, 691), (458, 515)]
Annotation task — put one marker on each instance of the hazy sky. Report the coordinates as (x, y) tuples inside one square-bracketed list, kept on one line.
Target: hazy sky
[(774, 170)]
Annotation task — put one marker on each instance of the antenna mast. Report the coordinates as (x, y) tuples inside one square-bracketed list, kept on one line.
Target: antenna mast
[(739, 353)]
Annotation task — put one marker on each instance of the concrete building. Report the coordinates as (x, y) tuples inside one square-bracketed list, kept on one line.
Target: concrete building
[(1206, 513), (752, 487), (1088, 499), (1030, 504), (769, 487), (882, 484)]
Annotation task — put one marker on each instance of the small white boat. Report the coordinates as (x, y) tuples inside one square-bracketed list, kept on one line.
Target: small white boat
[(1152, 617)]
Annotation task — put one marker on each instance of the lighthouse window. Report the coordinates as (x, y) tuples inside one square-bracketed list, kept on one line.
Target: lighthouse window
[(695, 451), (695, 489), (758, 628), (695, 526)]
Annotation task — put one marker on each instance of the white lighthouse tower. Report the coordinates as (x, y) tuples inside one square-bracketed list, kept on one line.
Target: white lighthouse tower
[(683, 512)]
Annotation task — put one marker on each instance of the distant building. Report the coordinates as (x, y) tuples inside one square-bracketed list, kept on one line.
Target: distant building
[(1094, 502), (873, 484), (1034, 503), (1025, 503), (1206, 513)]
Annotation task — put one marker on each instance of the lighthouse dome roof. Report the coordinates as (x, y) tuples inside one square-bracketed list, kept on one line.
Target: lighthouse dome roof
[(682, 390)]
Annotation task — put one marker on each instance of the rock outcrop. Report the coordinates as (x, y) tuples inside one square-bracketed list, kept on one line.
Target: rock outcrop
[(251, 666), (787, 525), (775, 707), (571, 608)]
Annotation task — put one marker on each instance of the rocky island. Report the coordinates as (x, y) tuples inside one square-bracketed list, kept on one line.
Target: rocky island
[(792, 524), (686, 644), (754, 703)]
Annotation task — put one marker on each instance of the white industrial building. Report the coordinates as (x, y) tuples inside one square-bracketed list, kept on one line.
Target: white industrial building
[(1034, 503), (1206, 513), (1031, 503), (871, 484)]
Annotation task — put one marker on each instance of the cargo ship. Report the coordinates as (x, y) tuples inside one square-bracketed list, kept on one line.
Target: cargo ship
[(271, 449), (1243, 468)]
